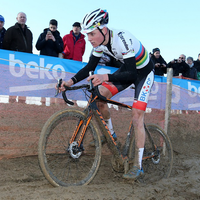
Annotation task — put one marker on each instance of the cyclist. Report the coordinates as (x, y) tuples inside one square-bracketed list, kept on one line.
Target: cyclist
[(136, 68)]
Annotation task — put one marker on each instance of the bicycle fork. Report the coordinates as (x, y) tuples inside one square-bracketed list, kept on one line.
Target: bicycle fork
[(76, 147)]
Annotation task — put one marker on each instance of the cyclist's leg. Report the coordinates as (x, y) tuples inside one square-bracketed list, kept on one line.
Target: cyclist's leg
[(109, 89), (142, 91), (103, 107), (138, 123)]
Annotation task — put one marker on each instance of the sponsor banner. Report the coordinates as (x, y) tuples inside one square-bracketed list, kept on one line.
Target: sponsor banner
[(24, 74)]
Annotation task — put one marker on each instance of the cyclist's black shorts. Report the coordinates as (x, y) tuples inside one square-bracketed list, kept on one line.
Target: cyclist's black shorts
[(143, 84)]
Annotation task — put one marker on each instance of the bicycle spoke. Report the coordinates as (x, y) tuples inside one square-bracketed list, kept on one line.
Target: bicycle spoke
[(157, 162), (67, 164)]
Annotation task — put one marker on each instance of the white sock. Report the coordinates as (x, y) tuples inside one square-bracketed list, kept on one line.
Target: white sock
[(141, 150), (109, 125)]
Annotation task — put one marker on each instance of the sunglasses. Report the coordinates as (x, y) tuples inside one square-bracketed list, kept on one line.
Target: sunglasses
[(181, 57)]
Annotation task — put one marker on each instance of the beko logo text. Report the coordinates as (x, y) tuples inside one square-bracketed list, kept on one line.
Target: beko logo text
[(49, 71)]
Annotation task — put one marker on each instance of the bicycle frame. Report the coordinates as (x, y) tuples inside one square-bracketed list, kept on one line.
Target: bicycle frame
[(69, 149), (91, 110)]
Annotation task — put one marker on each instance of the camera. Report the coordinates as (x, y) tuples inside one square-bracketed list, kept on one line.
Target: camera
[(175, 60), (48, 31)]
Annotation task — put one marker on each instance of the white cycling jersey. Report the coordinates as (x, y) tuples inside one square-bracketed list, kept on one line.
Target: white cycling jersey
[(124, 45)]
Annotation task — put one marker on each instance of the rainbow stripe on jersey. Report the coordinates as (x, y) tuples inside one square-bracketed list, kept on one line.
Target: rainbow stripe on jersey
[(99, 52), (141, 56)]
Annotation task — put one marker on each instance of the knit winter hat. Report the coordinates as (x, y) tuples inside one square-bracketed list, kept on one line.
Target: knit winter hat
[(2, 18), (190, 58), (156, 49)]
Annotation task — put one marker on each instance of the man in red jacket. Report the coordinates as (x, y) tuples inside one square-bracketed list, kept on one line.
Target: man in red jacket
[(74, 43)]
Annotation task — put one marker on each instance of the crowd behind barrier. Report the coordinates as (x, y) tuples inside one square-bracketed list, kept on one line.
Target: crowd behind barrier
[(51, 44), (72, 46), (20, 38), (182, 67), (35, 76)]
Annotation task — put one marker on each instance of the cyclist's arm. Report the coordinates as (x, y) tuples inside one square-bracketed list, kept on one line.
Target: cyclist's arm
[(84, 72), (81, 74)]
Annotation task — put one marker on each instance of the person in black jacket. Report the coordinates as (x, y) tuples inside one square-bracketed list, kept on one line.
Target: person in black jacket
[(179, 65), (159, 62), (197, 63), (49, 42), (192, 71), (197, 66), (2, 30), (19, 37)]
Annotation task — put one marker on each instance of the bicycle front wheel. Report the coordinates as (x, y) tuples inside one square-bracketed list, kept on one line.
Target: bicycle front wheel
[(62, 162), (158, 154)]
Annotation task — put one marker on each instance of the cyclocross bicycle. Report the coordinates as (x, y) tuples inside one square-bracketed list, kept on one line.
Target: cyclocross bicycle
[(67, 158)]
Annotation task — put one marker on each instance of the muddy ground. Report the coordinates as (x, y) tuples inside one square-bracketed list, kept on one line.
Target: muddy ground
[(21, 178)]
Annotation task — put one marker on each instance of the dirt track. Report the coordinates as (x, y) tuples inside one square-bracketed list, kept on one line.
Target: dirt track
[(21, 177)]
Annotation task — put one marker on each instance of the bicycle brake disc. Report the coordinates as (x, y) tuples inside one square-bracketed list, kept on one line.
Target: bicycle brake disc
[(156, 159), (74, 150)]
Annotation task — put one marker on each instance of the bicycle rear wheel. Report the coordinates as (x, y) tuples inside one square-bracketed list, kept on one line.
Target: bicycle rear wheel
[(158, 154), (62, 163)]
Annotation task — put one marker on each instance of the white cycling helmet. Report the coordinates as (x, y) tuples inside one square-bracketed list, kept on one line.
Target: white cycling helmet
[(95, 19)]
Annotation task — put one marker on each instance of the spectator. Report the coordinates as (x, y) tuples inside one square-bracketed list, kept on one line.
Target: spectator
[(49, 42), (179, 65), (159, 62), (74, 43), (2, 30), (192, 71), (197, 66), (19, 37)]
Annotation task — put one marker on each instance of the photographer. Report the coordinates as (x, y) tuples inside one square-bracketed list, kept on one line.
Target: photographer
[(179, 65), (50, 42), (159, 62)]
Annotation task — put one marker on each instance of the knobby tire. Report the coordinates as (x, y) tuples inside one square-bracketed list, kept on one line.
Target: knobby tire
[(55, 161), (159, 166)]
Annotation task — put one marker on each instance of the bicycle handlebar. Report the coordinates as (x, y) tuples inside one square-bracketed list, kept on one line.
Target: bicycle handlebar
[(89, 88), (73, 88), (86, 86)]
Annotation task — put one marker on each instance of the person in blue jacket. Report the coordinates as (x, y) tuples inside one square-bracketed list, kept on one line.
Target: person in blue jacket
[(2, 30)]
